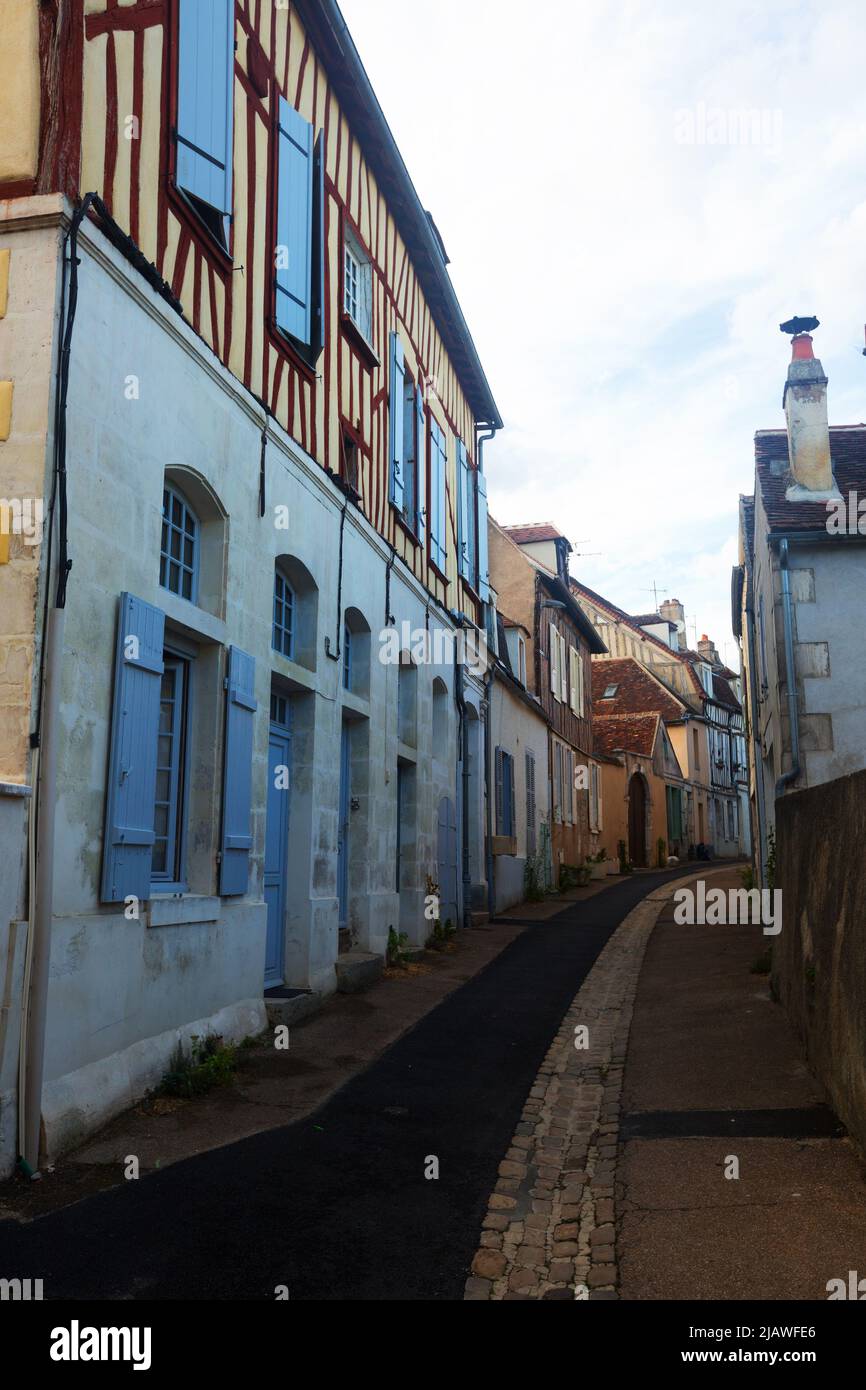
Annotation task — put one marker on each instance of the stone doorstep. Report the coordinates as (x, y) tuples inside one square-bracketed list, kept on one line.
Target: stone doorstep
[(357, 971), (292, 1010)]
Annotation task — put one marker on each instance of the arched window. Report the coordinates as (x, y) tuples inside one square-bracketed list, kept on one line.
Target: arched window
[(356, 653), (282, 640), (178, 556)]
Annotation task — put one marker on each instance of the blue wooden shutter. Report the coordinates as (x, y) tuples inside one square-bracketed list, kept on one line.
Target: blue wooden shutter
[(238, 772), (205, 76), (499, 790), (421, 451), (294, 224), (317, 321), (483, 560), (438, 498), (464, 514), (396, 440), (128, 840), (507, 794)]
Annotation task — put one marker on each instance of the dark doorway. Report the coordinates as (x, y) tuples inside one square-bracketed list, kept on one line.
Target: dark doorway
[(637, 821)]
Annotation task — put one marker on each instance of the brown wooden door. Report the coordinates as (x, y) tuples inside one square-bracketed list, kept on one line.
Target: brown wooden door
[(637, 821)]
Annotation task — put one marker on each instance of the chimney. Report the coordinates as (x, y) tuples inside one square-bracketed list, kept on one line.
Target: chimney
[(707, 650), (804, 401), (673, 610)]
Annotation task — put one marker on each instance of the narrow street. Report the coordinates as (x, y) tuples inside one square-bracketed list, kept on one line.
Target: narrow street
[(337, 1205)]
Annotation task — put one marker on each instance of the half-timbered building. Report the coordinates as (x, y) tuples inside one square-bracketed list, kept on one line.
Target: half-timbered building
[(239, 377)]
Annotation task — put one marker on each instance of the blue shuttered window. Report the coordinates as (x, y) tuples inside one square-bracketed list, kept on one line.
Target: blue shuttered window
[(504, 764), (483, 584), (166, 870), (531, 840), (396, 438), (438, 495), (129, 832), (421, 467), (300, 203), (237, 772), (205, 76), (465, 516)]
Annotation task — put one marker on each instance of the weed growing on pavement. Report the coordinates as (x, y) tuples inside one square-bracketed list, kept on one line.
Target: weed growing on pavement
[(397, 943), (210, 1062), (441, 935)]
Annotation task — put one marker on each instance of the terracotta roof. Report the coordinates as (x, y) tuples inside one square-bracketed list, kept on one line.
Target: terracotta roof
[(623, 617), (637, 691), (773, 476), (722, 692), (631, 733), (534, 531)]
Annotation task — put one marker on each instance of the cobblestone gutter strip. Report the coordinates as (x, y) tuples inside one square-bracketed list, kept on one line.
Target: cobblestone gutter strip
[(549, 1232)]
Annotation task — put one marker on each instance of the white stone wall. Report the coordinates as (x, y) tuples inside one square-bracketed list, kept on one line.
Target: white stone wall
[(146, 395), (516, 728)]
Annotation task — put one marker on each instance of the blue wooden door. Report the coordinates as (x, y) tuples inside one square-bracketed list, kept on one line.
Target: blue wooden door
[(343, 828), (276, 850)]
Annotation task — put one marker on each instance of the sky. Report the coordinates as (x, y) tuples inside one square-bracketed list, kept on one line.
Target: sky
[(633, 197)]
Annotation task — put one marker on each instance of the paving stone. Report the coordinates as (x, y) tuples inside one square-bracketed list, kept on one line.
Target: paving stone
[(561, 1271), (564, 1249), (567, 1230), (604, 1254), (522, 1279), (604, 1211), (477, 1289), (489, 1264), (601, 1274), (499, 1202), (512, 1170), (494, 1222), (602, 1235)]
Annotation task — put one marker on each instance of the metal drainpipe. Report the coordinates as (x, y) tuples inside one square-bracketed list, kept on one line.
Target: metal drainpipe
[(793, 716), (755, 739), (489, 679), (460, 700)]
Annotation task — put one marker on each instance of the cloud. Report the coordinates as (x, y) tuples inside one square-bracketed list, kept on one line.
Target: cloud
[(624, 285)]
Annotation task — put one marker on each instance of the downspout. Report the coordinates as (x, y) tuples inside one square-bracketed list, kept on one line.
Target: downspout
[(794, 771), (755, 738), (490, 676), (45, 740), (489, 679), (460, 700)]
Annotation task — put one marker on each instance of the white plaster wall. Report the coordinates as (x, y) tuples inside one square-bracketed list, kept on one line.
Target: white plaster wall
[(122, 992), (516, 728)]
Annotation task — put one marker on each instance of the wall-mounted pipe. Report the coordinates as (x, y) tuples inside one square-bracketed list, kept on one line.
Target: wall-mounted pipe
[(759, 831), (793, 715)]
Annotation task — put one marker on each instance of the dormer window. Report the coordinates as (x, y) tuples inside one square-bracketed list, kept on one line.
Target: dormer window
[(609, 692)]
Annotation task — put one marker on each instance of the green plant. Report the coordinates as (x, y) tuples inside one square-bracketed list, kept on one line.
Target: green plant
[(762, 964), (661, 852), (534, 878), (441, 935), (748, 877), (567, 877), (771, 859), (209, 1063), (396, 953), (624, 865)]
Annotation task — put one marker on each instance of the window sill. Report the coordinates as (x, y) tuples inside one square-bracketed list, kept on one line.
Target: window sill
[(182, 910), (404, 525), (292, 350), (504, 845), (440, 574), (16, 789), (203, 235), (356, 337)]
